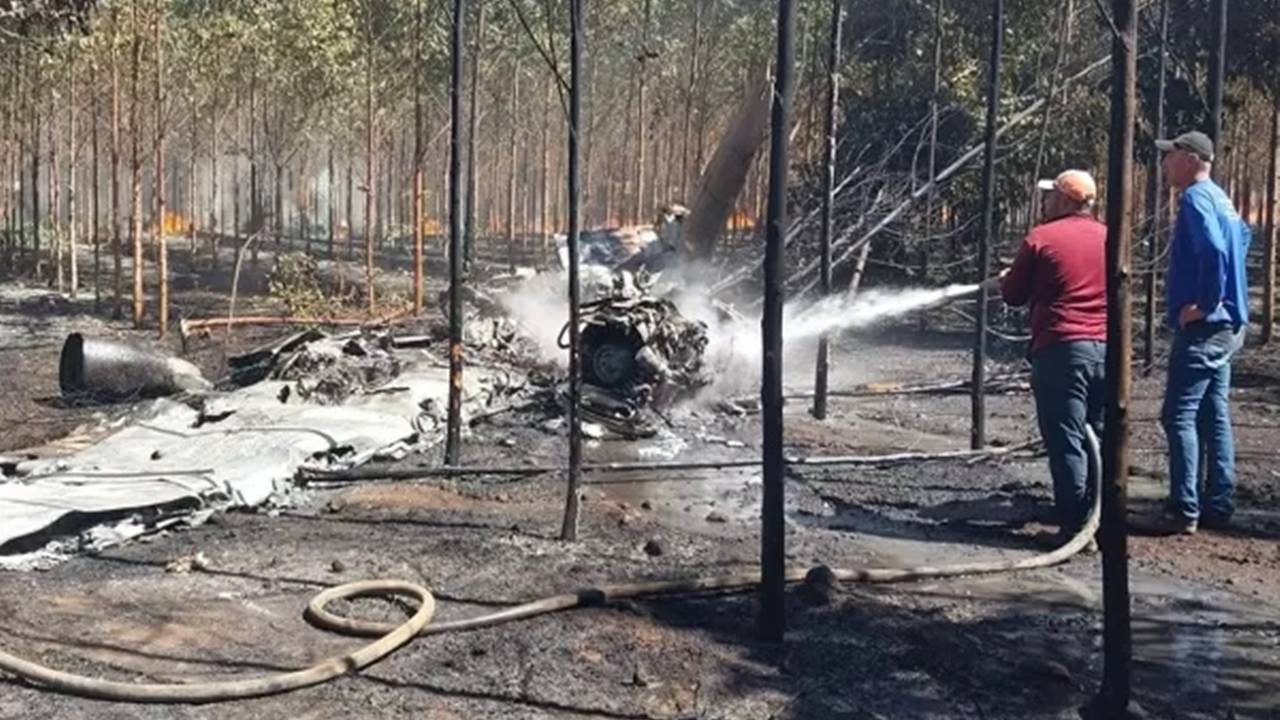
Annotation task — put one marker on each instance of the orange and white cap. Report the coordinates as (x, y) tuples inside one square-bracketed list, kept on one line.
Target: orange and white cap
[(1077, 185)]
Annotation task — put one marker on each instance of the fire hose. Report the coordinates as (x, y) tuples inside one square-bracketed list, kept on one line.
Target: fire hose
[(391, 636)]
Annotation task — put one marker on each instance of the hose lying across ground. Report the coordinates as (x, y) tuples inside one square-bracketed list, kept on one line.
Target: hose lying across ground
[(392, 637)]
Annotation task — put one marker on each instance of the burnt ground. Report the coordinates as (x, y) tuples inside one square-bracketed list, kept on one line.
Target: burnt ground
[(1207, 622)]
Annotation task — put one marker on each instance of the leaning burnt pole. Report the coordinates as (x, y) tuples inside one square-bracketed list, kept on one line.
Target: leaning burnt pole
[(453, 438), (773, 621), (569, 529), (1113, 701), (828, 195), (978, 430)]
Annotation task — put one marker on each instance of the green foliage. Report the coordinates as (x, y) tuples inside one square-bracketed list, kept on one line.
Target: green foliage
[(295, 281)]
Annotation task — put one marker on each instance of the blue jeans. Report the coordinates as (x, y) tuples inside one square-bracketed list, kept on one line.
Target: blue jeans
[(1195, 410), (1068, 381)]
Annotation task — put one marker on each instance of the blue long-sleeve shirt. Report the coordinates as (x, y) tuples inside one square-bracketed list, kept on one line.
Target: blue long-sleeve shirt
[(1207, 258)]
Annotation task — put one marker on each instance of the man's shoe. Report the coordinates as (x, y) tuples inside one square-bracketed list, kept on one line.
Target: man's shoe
[(1179, 525), (1215, 521)]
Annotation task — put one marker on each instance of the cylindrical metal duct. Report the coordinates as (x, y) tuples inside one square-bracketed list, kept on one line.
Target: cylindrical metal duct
[(109, 371)]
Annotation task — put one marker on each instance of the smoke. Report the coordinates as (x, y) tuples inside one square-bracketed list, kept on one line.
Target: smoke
[(539, 305), (736, 351)]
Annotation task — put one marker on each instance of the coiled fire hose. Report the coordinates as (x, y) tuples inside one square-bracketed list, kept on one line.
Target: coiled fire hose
[(392, 637)]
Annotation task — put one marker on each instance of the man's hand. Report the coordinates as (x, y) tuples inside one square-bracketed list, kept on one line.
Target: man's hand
[(1189, 314)]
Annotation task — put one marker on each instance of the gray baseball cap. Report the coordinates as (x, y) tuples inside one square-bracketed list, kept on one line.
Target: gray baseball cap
[(1193, 142)]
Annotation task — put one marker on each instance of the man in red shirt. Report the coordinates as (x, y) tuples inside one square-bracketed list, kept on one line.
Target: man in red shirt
[(1060, 272)]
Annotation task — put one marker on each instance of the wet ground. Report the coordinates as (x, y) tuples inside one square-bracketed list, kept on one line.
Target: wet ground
[(1206, 615)]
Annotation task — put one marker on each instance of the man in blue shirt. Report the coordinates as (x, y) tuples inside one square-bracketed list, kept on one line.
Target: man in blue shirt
[(1208, 310)]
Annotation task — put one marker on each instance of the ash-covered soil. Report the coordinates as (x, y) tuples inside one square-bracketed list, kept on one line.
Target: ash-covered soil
[(1207, 623)]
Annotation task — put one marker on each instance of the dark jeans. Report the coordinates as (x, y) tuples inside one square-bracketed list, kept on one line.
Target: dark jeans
[(1068, 380), (1195, 411)]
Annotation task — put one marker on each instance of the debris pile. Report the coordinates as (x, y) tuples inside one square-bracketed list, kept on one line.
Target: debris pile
[(322, 369), (638, 353)]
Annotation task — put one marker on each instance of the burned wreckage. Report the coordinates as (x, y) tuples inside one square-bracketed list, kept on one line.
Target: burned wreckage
[(639, 352)]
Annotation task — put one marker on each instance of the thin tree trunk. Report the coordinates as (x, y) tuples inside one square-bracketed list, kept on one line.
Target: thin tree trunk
[(642, 114), (828, 199), (162, 249), (469, 214), (1113, 700), (1065, 30), (57, 242), (546, 176), (695, 47), (569, 527), (215, 200), (978, 435), (351, 199), (368, 196), (1155, 197), (772, 618), (453, 434), (72, 167), (97, 188), (1271, 231), (255, 204), (332, 191), (117, 249), (511, 175), (930, 207), (418, 151), (236, 227), (135, 189)]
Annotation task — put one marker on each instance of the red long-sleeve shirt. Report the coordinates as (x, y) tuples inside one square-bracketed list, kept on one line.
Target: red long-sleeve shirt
[(1060, 271)]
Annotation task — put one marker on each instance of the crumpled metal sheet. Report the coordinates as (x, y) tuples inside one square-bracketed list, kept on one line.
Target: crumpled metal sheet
[(237, 449)]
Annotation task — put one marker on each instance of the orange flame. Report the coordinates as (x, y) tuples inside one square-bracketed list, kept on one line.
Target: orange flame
[(174, 224), (742, 221), (431, 226)]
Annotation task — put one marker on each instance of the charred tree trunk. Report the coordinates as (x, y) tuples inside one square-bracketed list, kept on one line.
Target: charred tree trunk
[(828, 197), (473, 119), (1113, 699), (978, 434), (772, 620), (255, 198), (453, 434), (931, 200), (162, 249), (569, 528), (1217, 74)]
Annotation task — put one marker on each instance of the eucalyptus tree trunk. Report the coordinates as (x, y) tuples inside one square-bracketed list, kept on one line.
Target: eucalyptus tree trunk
[(162, 249), (368, 194), (511, 166), (117, 247), (641, 114), (54, 209), (97, 188), (135, 166), (72, 169)]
